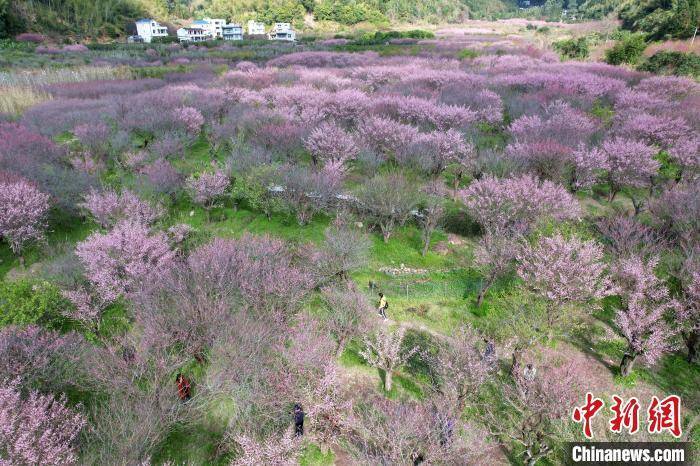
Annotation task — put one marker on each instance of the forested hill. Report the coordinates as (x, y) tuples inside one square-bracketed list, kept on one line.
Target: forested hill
[(92, 18)]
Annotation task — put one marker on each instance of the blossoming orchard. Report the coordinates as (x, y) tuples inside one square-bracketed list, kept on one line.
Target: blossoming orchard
[(330, 253)]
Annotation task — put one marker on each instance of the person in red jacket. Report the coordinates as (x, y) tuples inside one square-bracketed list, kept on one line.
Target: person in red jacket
[(183, 387)]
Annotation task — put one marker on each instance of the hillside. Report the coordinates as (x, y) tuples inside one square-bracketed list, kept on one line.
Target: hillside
[(99, 18)]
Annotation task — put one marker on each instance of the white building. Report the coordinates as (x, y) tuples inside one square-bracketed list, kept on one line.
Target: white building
[(255, 28), (283, 31), (213, 25), (193, 34), (232, 32), (147, 29)]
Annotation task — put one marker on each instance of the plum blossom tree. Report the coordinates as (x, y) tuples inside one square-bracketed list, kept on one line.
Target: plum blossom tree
[(191, 118), (433, 152), (207, 188), (331, 143), (642, 318), (306, 192), (431, 211), (261, 269), (624, 162), (516, 204), (565, 273), (385, 136), (625, 236), (544, 144), (387, 202), (118, 261), (23, 211), (462, 367), (282, 451), (675, 212), (350, 315), (494, 257), (38, 429), (109, 207), (384, 431), (343, 250), (162, 176), (533, 411), (385, 351), (687, 276), (38, 358)]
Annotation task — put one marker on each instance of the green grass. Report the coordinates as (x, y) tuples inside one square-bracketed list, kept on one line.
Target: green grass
[(314, 456)]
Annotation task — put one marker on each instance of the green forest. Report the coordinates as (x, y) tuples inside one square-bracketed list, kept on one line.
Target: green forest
[(660, 19)]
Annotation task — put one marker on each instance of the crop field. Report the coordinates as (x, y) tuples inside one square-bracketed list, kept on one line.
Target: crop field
[(430, 249)]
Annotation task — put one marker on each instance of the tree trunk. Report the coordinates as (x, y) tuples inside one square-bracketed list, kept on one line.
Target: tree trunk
[(340, 347), (426, 243), (386, 234), (692, 342), (387, 380), (627, 363)]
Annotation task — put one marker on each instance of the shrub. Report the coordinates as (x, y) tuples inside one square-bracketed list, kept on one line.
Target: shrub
[(25, 302), (628, 50), (671, 62), (576, 49)]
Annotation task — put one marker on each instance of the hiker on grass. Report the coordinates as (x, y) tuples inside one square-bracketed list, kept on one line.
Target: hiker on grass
[(383, 305), (183, 388), (298, 420)]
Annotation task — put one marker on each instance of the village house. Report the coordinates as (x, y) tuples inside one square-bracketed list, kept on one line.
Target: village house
[(282, 31), (148, 28), (255, 28), (193, 34), (232, 31), (213, 25)]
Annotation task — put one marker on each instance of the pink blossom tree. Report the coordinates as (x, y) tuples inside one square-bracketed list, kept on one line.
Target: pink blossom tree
[(190, 118), (642, 318), (329, 143), (624, 163), (39, 358), (350, 315), (516, 204), (162, 176), (385, 136), (533, 411), (37, 429), (118, 261), (207, 188), (462, 366), (282, 451), (494, 257), (386, 352), (378, 430), (23, 211), (109, 207), (566, 273)]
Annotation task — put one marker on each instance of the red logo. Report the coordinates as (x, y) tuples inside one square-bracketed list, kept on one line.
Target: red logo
[(587, 412), (665, 415), (626, 415)]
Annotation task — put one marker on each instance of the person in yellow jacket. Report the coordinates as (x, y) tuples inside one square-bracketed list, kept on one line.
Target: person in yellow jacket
[(383, 305)]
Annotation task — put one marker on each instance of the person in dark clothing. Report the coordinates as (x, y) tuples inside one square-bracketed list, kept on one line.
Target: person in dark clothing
[(298, 420), (183, 387), (489, 356)]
